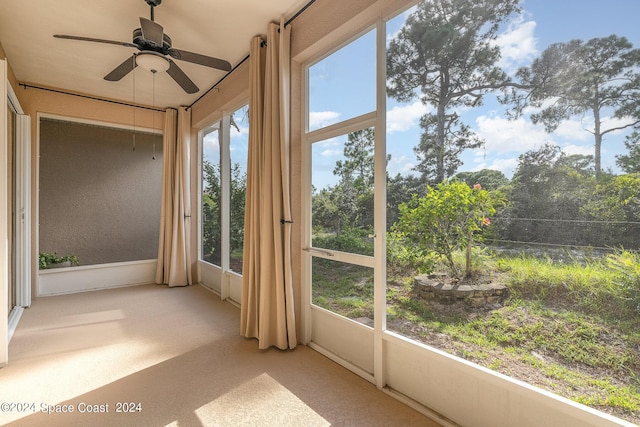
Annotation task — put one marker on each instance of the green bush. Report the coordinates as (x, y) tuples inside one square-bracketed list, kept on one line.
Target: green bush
[(449, 218), (625, 266), (45, 259), (608, 287), (350, 239), (401, 254)]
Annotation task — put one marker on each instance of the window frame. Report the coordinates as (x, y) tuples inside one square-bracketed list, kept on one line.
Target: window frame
[(404, 381), (219, 278)]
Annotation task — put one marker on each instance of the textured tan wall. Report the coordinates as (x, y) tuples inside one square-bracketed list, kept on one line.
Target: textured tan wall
[(12, 78), (99, 199), (232, 90), (36, 102)]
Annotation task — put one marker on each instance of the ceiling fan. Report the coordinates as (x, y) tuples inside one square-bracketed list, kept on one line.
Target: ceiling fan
[(156, 53)]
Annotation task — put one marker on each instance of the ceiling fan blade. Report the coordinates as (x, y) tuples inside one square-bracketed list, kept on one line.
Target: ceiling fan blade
[(152, 31), (181, 78), (196, 58), (122, 70), (89, 39)]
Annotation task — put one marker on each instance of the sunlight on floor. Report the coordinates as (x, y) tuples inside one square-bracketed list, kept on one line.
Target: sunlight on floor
[(260, 399), (75, 354), (69, 333)]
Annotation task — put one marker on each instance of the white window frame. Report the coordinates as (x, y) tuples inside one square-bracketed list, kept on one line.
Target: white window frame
[(220, 279), (425, 378), (22, 185)]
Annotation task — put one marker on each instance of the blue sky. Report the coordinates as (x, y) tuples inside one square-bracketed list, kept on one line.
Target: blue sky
[(238, 148), (343, 86)]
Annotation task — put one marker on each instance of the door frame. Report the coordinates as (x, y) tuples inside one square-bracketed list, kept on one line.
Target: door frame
[(347, 342), (4, 253), (22, 233)]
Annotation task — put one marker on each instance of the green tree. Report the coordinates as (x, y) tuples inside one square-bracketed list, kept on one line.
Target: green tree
[(238, 187), (400, 189), (616, 207), (212, 211), (448, 218), (324, 210), (546, 196), (211, 205), (446, 56), (359, 162), (630, 162), (354, 193), (576, 78), (488, 178), (435, 164)]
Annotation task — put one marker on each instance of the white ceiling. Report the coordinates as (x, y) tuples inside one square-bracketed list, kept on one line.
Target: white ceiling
[(218, 28)]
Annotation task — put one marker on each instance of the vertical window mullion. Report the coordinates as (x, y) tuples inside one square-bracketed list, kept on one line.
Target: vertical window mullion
[(380, 218), (225, 198), (210, 197)]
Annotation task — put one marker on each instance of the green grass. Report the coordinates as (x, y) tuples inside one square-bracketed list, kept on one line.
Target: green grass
[(343, 288), (570, 337), (577, 324)]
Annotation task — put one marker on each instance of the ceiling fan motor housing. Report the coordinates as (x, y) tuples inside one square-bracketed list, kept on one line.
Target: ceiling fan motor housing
[(145, 44)]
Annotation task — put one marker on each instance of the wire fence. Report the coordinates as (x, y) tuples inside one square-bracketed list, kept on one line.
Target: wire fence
[(567, 237)]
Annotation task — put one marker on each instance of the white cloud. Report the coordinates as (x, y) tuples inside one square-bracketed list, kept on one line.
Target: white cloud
[(502, 135), (582, 129), (318, 119), (517, 44), (613, 122), (244, 130), (571, 149), (331, 153), (401, 164), (407, 167), (505, 165), (574, 130), (402, 118), (210, 142), (330, 149), (331, 142)]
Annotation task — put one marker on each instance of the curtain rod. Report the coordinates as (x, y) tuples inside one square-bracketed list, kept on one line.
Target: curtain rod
[(300, 12), (215, 86), (293, 18), (28, 86)]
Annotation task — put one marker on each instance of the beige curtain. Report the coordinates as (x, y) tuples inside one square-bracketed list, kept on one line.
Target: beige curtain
[(267, 292), (174, 261)]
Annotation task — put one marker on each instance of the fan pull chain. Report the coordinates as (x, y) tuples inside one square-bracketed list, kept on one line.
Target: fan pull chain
[(153, 104), (133, 58)]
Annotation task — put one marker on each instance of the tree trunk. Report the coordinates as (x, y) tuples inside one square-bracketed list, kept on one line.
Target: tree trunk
[(467, 264), (598, 145), (440, 131)]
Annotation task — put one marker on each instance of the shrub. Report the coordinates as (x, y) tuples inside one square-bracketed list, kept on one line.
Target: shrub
[(403, 255), (46, 259), (625, 266), (448, 218), (350, 239)]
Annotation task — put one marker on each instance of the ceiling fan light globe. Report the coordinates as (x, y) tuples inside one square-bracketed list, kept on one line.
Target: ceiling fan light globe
[(152, 62)]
